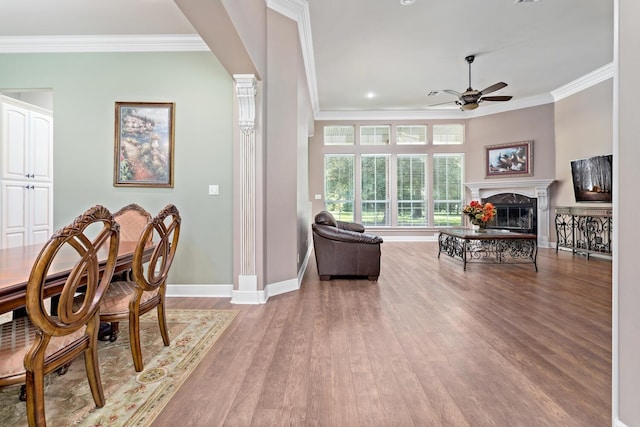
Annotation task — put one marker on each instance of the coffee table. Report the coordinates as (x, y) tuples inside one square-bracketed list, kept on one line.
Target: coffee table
[(488, 246)]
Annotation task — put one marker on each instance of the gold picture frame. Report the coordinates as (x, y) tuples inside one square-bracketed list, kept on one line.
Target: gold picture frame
[(144, 144)]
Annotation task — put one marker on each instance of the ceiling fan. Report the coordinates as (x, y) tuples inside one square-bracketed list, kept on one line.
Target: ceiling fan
[(470, 99)]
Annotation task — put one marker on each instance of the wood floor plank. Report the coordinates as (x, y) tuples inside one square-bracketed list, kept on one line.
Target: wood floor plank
[(429, 344)]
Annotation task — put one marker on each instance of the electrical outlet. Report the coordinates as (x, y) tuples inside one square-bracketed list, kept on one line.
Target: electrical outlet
[(214, 190)]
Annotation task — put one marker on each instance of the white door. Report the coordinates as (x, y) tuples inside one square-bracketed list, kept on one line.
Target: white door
[(27, 142), (15, 228), (26, 146), (40, 206), (15, 141), (26, 213), (40, 156)]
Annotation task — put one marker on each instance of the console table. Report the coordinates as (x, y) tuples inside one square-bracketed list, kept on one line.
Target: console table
[(584, 230), (490, 246)]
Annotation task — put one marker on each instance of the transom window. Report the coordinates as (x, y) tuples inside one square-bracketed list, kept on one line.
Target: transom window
[(339, 135), (374, 135), (411, 134), (448, 134)]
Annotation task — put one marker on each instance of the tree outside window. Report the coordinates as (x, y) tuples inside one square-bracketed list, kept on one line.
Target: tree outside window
[(339, 185), (447, 189), (412, 211), (375, 190)]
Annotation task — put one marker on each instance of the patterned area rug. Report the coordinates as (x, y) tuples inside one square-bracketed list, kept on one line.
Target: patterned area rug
[(132, 399)]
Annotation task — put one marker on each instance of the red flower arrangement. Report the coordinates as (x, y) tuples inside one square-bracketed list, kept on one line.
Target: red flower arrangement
[(479, 214)]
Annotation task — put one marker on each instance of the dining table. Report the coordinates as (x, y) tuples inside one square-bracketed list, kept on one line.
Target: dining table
[(16, 264)]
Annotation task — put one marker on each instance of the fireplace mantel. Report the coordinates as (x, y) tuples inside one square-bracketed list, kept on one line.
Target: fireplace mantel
[(538, 188)]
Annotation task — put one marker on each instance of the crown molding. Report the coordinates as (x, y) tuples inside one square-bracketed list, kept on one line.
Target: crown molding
[(593, 78), (298, 10), (128, 43), (434, 114)]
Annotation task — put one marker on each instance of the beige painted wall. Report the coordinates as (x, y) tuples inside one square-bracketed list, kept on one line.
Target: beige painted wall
[(86, 86), (286, 119), (535, 123), (584, 128), (305, 120)]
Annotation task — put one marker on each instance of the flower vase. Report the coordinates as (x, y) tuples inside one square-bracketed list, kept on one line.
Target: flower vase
[(479, 226)]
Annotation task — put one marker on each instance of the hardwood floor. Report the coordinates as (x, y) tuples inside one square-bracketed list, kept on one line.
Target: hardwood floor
[(427, 345)]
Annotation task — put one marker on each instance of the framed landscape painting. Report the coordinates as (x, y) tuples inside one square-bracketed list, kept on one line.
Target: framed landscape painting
[(512, 159), (143, 144)]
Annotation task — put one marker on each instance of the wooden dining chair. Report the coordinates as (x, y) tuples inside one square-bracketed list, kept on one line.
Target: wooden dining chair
[(34, 346), (129, 299), (132, 219)]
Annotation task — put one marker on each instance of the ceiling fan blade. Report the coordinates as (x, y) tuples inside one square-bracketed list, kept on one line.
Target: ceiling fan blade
[(493, 88), (496, 98), (452, 92), (441, 103)]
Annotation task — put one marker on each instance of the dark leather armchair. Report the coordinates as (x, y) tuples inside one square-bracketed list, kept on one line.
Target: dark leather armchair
[(344, 249)]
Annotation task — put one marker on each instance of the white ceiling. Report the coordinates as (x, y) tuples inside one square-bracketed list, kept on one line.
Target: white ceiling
[(398, 52)]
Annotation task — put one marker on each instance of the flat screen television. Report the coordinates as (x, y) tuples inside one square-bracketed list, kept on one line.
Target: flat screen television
[(593, 179)]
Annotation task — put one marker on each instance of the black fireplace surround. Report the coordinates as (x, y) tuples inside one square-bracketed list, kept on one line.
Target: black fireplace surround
[(514, 212)]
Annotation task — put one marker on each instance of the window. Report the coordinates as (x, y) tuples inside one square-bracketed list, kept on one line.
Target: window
[(447, 189), (339, 185), (339, 135), (412, 203), (448, 134), (411, 135), (406, 183), (374, 135), (375, 190)]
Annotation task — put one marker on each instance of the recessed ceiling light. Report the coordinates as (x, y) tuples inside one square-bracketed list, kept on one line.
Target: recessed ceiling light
[(407, 2), (371, 95)]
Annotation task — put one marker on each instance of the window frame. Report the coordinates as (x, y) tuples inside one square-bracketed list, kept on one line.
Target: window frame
[(434, 128), (393, 150), (341, 202)]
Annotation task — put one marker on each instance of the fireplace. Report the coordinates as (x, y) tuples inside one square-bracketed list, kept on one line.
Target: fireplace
[(523, 203), (514, 212)]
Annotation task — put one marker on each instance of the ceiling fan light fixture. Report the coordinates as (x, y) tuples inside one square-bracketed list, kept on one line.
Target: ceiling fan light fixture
[(469, 106)]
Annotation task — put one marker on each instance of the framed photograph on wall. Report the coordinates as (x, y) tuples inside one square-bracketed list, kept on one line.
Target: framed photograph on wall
[(144, 144), (512, 159)]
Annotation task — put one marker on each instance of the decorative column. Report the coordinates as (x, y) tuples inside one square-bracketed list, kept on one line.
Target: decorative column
[(247, 280)]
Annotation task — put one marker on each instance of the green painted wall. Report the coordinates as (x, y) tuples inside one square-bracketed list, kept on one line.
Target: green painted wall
[(86, 87)]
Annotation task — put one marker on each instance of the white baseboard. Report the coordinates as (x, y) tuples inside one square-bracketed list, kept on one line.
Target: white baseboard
[(282, 287), (241, 296), (618, 423), (248, 297), (204, 291)]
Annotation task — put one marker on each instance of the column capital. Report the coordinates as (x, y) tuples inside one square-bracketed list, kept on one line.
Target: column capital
[(246, 91)]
